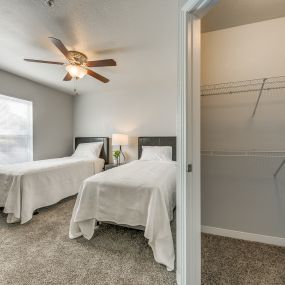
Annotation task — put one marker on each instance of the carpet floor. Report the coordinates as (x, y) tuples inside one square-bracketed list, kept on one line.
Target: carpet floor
[(238, 262), (40, 252)]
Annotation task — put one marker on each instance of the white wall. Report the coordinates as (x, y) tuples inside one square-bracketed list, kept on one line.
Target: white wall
[(240, 193), (244, 52), (52, 115), (140, 99)]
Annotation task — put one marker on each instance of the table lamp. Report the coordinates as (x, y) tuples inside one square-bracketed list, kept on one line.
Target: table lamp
[(120, 140)]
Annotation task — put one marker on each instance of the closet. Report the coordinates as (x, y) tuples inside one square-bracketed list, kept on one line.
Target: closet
[(243, 132)]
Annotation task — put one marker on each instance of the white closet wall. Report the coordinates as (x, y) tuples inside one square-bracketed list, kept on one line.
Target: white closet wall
[(240, 193)]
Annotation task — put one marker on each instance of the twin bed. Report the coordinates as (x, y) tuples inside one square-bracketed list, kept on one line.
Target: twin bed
[(25, 187), (138, 194)]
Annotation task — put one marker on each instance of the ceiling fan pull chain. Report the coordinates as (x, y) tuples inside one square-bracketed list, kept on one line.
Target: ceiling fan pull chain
[(75, 85)]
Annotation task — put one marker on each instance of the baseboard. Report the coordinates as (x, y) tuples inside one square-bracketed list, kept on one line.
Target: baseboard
[(178, 278), (244, 236)]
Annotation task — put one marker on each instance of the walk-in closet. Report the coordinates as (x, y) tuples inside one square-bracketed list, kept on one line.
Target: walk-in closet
[(243, 144)]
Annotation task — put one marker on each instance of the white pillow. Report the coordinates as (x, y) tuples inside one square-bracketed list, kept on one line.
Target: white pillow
[(156, 153), (91, 150)]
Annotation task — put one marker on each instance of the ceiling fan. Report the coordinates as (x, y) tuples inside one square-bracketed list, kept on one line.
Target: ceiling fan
[(77, 63)]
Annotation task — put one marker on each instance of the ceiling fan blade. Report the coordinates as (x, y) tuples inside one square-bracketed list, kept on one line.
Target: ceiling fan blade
[(97, 76), (58, 43), (43, 61), (67, 77), (104, 62)]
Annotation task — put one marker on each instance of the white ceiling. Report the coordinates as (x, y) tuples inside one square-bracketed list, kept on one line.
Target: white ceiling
[(130, 31), (99, 28), (231, 13)]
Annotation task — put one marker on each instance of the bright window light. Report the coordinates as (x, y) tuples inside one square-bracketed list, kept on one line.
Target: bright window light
[(16, 130)]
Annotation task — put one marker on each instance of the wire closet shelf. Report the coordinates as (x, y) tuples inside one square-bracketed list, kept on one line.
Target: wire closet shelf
[(248, 154), (243, 153), (251, 87), (237, 87)]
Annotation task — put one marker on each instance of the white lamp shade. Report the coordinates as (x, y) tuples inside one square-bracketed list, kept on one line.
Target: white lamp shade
[(120, 139)]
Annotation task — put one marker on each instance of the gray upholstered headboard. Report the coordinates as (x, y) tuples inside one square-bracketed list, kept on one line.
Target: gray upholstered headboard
[(105, 149), (157, 141)]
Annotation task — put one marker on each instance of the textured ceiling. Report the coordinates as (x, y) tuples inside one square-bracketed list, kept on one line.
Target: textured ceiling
[(101, 29), (231, 13)]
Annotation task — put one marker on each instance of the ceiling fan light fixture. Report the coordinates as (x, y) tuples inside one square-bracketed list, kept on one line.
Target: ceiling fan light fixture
[(77, 62), (76, 71)]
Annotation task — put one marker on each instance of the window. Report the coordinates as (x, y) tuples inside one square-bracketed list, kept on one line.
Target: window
[(16, 130)]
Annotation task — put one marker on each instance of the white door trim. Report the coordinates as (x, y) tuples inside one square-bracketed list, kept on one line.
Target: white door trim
[(188, 144)]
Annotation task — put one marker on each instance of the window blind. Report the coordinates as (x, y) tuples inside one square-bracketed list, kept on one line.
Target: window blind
[(16, 130)]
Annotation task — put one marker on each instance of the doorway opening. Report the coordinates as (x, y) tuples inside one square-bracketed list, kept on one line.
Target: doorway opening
[(242, 145)]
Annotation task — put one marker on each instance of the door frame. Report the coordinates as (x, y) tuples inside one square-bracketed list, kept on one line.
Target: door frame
[(188, 143)]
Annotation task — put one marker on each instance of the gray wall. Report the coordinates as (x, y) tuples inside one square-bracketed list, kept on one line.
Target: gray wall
[(241, 193), (52, 115)]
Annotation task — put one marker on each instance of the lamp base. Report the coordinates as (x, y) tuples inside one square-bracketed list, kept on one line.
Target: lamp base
[(121, 152)]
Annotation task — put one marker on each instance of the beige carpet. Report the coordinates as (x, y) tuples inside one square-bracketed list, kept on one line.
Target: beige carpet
[(236, 262), (40, 252)]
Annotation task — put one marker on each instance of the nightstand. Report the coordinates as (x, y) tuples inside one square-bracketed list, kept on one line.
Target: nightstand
[(112, 165)]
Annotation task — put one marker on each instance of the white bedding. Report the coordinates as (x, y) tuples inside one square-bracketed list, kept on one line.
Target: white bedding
[(25, 187), (139, 193)]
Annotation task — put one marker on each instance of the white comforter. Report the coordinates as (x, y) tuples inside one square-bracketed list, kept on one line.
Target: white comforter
[(25, 187), (140, 193)]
